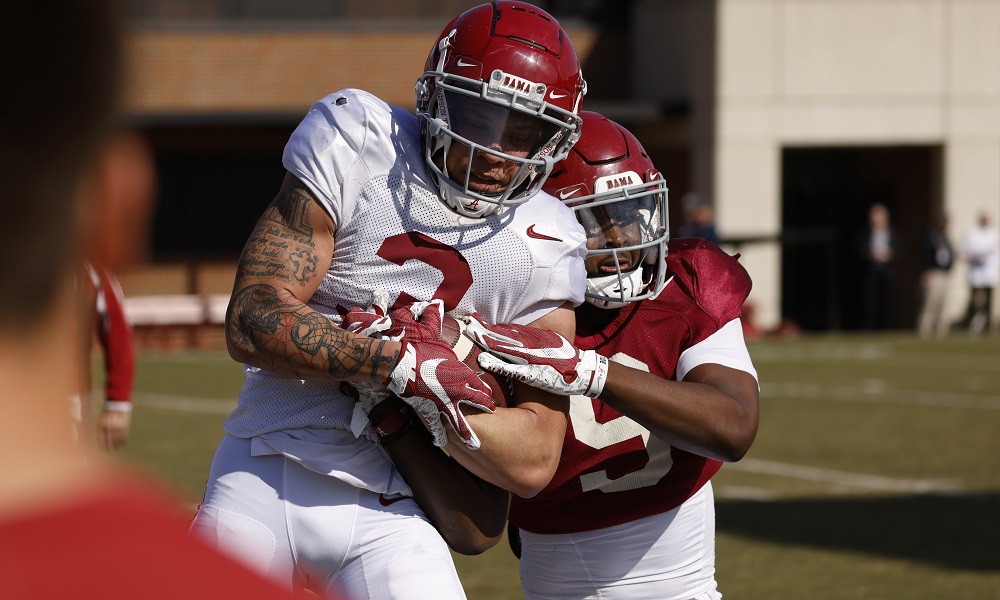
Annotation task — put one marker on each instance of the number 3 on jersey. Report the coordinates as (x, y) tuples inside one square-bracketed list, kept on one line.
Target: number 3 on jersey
[(588, 431)]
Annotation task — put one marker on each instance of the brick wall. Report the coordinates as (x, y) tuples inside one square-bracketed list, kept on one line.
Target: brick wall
[(259, 71), (279, 71)]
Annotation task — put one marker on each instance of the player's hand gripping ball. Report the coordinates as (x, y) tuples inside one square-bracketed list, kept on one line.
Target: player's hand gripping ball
[(429, 376), (453, 332)]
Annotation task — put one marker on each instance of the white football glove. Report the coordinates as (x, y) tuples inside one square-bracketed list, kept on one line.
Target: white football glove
[(538, 357), (369, 395)]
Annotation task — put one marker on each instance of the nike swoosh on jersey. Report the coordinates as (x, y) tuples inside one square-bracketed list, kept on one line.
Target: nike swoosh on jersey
[(390, 501), (541, 236)]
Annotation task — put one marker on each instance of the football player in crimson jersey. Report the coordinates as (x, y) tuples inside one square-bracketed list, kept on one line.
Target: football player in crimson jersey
[(663, 391), (443, 205), (73, 524)]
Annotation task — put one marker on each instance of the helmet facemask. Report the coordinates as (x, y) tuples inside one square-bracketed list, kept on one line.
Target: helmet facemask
[(501, 128), (627, 238)]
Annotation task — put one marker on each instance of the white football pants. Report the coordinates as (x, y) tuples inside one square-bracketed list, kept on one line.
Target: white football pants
[(304, 529), (669, 556)]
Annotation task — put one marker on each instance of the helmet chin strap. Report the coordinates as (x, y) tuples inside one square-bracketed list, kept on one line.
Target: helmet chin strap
[(610, 287), (452, 194)]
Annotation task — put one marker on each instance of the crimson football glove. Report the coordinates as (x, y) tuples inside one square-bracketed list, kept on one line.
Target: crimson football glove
[(539, 358), (372, 322), (428, 377), (431, 379)]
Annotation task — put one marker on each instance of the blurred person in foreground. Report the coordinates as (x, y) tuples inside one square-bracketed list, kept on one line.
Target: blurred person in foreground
[(72, 524), (102, 297), (981, 248), (936, 259), (662, 389), (447, 206)]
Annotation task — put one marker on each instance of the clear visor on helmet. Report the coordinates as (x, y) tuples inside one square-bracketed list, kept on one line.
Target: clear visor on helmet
[(469, 121), (618, 234), (626, 230), (496, 129)]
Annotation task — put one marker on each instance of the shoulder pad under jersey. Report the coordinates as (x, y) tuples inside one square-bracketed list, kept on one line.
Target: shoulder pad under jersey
[(716, 281)]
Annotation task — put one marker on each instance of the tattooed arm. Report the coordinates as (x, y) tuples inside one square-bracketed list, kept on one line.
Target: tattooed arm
[(268, 323)]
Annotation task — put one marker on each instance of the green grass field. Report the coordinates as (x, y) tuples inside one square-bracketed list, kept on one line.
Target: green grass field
[(874, 474)]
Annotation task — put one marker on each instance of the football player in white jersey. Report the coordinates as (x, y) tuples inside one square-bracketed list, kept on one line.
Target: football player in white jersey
[(662, 391), (445, 205)]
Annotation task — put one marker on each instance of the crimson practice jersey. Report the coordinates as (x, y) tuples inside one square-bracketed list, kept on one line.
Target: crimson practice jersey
[(118, 538), (612, 470), (115, 336)]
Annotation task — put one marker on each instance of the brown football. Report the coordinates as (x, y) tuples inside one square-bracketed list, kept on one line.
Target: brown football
[(467, 351)]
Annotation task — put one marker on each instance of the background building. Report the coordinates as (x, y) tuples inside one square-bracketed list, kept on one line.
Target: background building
[(790, 116)]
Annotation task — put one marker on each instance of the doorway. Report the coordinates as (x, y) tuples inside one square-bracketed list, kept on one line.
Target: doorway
[(825, 197)]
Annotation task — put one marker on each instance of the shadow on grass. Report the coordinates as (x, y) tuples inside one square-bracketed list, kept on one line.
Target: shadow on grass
[(953, 531)]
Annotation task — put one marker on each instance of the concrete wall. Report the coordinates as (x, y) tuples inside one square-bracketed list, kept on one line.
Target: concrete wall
[(852, 72), (674, 48)]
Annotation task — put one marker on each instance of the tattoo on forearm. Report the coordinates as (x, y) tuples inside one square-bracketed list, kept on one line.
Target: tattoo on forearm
[(289, 336), (381, 358)]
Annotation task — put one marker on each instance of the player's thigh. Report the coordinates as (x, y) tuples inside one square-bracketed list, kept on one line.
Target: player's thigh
[(242, 512), (398, 555), (665, 556)]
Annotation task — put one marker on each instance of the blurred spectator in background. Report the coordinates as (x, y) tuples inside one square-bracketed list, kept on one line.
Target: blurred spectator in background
[(878, 252), (103, 299), (981, 248), (936, 259), (72, 525), (699, 219)]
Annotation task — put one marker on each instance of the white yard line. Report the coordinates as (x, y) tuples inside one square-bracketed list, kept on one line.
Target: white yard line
[(843, 478), (884, 355), (741, 492), (747, 465), (876, 394)]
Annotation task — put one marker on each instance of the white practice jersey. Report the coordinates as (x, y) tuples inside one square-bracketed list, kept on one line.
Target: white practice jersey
[(363, 160)]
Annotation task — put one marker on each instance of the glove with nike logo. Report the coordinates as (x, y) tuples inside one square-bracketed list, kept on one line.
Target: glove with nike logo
[(428, 377), (539, 358), (373, 322)]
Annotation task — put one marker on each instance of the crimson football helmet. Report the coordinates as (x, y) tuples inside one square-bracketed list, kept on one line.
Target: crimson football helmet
[(502, 83), (621, 200)]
